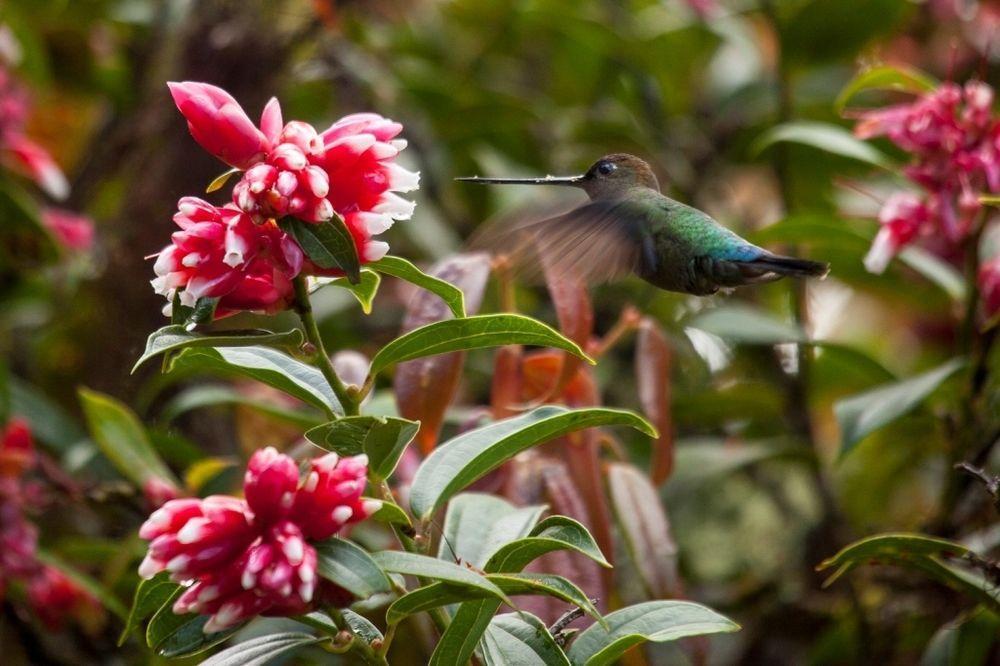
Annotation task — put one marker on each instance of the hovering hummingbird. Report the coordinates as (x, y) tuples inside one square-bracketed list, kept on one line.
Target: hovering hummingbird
[(630, 227)]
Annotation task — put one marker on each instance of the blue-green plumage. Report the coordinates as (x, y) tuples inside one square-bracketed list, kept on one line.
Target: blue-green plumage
[(630, 227)]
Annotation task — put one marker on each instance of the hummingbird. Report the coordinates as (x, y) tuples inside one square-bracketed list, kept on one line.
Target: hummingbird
[(630, 227)]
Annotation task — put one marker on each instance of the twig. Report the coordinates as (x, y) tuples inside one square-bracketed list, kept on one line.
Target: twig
[(991, 482), (564, 621)]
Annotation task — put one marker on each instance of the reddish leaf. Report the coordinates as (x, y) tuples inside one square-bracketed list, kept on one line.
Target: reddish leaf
[(425, 387), (576, 317), (505, 391), (645, 529), (653, 358)]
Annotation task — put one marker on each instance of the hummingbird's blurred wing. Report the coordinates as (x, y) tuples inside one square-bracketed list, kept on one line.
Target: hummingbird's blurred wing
[(597, 242)]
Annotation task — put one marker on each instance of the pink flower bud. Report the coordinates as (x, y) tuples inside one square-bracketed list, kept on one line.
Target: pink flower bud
[(54, 597), (73, 231), (159, 491), (330, 496), (193, 537), (269, 485), (989, 285), (219, 124), (17, 448)]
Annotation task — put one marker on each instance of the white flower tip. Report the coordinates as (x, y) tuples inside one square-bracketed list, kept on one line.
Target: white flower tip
[(342, 514), (371, 506), (233, 258)]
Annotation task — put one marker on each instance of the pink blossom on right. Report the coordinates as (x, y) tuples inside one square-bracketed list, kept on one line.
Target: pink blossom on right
[(989, 285), (953, 138)]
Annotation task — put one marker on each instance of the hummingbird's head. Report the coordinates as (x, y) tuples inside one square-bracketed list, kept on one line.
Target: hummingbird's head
[(614, 174), (609, 177)]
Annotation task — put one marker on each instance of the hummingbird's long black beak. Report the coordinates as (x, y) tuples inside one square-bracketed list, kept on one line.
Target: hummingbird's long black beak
[(572, 181)]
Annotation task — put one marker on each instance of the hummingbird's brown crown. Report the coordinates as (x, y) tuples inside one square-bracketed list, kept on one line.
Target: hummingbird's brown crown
[(616, 173)]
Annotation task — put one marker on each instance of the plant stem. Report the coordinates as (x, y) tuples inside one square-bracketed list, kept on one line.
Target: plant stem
[(349, 399)]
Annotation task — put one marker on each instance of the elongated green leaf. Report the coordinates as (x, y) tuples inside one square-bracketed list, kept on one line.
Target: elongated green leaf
[(350, 567), (476, 525), (213, 395), (265, 365), (915, 551), (437, 595), (328, 244), (423, 566), (150, 595), (936, 270), (824, 136), (364, 290), (492, 330), (966, 639), (460, 461), (174, 338), (49, 422), (467, 626), (121, 437), (520, 639), (382, 438), (862, 414), (885, 78), (172, 635), (404, 270), (743, 324), (260, 650), (657, 621), (553, 533)]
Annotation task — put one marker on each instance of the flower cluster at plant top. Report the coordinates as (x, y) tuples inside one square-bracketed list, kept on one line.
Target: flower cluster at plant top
[(236, 252), (52, 595), (245, 557)]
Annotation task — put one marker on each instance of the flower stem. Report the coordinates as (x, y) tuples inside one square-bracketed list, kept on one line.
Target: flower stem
[(349, 400)]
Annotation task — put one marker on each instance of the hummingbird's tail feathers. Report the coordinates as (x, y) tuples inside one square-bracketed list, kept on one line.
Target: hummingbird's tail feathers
[(791, 266)]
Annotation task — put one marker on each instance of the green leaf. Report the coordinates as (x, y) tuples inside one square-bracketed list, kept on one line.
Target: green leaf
[(174, 338), (553, 533), (824, 136), (885, 77), (460, 461), (964, 640), (264, 365), (437, 595), (382, 438), (492, 330), (476, 525), (936, 270), (49, 422), (212, 395), (328, 244), (423, 566), (915, 551), (657, 621), (202, 314), (122, 438), (172, 635), (219, 181), (392, 513), (747, 325), (364, 290), (259, 651), (150, 595), (361, 626), (866, 412), (404, 270), (520, 639), (351, 567)]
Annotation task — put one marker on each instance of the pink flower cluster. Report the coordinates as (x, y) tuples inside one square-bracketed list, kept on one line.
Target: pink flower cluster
[(954, 139), (52, 595), (254, 556), (289, 169)]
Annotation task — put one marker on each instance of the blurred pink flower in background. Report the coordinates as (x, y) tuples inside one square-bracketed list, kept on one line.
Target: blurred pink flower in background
[(242, 558), (220, 253), (953, 138), (989, 285), (293, 170), (17, 151), (73, 231)]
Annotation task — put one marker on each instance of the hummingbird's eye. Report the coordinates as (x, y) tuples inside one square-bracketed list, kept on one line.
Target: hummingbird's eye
[(605, 168)]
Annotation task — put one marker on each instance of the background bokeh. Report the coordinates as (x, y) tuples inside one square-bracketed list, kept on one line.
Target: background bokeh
[(763, 489)]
